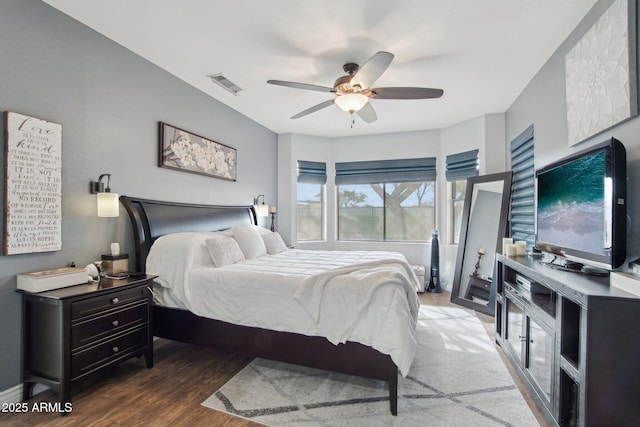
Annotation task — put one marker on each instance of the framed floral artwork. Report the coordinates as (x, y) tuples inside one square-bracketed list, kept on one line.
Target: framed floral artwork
[(188, 152), (601, 73)]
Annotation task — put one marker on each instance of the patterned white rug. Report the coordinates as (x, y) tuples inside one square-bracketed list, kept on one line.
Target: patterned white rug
[(456, 379)]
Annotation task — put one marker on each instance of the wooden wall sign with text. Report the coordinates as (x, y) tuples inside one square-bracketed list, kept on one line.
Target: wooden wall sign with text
[(32, 185)]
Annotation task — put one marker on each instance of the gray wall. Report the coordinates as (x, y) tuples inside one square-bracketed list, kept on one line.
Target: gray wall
[(109, 102), (543, 104)]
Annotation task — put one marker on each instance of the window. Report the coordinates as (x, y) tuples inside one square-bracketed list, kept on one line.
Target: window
[(458, 189), (460, 166), (522, 188), (360, 213), (390, 200), (310, 206), (312, 177)]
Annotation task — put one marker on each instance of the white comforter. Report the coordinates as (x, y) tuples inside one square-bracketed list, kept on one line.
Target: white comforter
[(366, 297)]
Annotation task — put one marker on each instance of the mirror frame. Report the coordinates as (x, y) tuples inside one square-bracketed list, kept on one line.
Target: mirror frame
[(505, 177)]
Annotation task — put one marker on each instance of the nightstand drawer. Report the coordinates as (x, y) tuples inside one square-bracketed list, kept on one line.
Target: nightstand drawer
[(478, 286), (89, 306), (100, 355), (94, 329)]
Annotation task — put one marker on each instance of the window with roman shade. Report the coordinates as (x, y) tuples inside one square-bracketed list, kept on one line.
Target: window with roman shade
[(312, 177), (461, 166), (522, 221), (312, 172), (380, 171), (387, 200)]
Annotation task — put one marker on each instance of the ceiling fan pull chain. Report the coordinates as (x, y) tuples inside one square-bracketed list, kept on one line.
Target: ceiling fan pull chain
[(353, 120)]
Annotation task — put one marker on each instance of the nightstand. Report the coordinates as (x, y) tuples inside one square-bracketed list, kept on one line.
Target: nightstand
[(68, 334), (479, 286)]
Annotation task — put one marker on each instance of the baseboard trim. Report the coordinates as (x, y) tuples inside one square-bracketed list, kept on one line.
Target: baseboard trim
[(11, 395), (14, 394)]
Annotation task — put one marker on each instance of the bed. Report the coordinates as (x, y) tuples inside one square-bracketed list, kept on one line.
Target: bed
[(158, 222)]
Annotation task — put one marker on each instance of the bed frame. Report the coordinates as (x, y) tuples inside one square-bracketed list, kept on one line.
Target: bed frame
[(151, 219)]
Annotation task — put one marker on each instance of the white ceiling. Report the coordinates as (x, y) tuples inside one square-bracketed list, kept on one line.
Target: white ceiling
[(482, 53)]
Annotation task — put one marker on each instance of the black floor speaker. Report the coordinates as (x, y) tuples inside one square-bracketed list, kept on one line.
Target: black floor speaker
[(434, 270)]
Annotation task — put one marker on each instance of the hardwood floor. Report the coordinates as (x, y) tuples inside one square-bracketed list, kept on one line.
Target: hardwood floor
[(169, 394)]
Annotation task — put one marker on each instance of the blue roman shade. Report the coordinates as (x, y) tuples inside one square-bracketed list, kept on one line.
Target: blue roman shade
[(461, 166), (312, 172), (522, 188), (386, 171)]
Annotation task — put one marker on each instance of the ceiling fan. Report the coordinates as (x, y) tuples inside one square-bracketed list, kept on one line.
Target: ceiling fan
[(354, 90)]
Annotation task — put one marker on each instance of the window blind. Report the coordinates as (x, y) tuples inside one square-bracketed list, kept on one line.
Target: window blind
[(386, 171), (522, 188), (461, 166), (312, 172)]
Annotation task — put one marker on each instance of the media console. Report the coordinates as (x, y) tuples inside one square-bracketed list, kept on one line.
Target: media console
[(573, 340)]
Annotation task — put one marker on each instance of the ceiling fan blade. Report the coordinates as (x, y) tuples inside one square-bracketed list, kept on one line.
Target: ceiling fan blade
[(372, 69), (405, 93), (313, 109), (367, 113), (301, 86)]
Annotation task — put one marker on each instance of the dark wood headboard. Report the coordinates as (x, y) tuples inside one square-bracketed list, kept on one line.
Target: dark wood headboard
[(151, 219)]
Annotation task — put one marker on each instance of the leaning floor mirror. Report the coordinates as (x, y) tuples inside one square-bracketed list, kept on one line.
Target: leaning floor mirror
[(484, 224)]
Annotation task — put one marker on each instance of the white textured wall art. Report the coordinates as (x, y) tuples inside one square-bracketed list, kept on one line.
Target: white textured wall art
[(597, 76)]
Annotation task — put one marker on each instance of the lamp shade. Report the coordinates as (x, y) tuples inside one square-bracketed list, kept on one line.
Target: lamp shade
[(262, 210), (108, 204), (351, 102)]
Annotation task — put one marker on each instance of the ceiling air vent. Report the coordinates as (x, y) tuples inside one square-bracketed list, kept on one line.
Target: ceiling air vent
[(225, 83)]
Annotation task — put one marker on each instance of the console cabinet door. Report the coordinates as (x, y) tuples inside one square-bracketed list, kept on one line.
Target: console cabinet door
[(540, 356), (514, 335)]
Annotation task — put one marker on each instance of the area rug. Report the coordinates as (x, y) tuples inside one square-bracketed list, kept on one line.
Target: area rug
[(456, 379)]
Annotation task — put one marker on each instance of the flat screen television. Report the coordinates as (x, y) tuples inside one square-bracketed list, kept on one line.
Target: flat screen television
[(581, 211)]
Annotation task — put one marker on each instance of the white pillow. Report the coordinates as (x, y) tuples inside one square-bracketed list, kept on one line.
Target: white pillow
[(227, 232), (173, 256), (261, 230), (224, 250), (250, 242), (187, 247), (274, 243)]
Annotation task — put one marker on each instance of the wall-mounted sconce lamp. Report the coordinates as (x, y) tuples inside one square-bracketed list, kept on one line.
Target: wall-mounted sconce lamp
[(108, 202), (261, 209)]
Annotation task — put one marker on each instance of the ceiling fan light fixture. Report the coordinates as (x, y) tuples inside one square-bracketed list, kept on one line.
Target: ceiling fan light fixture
[(354, 90), (351, 102)]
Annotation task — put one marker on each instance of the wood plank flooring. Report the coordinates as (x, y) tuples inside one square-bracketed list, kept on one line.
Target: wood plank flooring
[(169, 394)]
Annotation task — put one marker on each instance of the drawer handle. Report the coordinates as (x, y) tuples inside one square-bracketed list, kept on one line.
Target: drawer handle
[(114, 323), (115, 349), (115, 300)]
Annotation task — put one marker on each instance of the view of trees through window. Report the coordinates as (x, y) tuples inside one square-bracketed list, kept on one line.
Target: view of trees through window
[(401, 211), (309, 211)]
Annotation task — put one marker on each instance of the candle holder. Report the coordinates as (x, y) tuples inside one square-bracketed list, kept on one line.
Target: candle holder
[(477, 266), (272, 211)]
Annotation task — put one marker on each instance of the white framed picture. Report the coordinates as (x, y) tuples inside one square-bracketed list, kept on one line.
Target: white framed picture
[(32, 185)]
